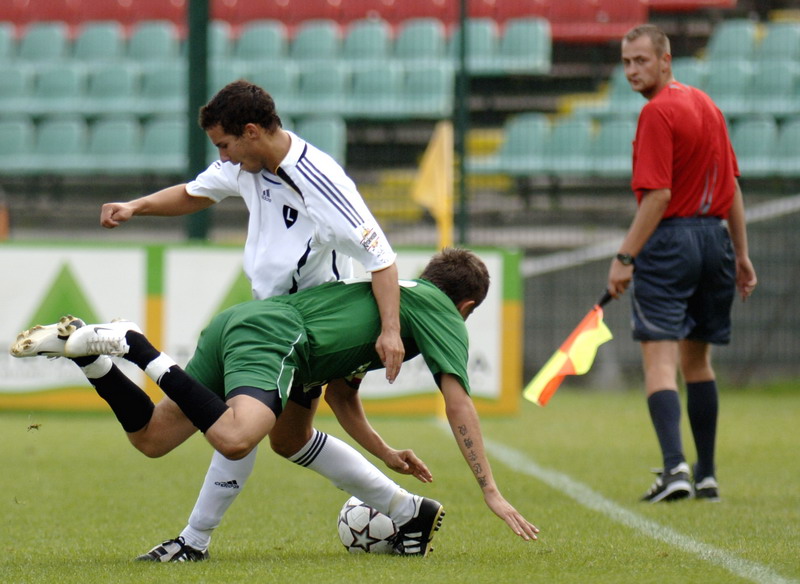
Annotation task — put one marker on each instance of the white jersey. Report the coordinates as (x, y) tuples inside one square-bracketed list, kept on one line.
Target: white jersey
[(306, 221)]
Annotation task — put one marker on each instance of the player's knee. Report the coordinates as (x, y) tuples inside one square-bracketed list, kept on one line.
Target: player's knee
[(287, 445)]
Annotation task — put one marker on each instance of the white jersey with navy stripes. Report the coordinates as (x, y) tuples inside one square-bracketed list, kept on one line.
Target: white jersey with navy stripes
[(306, 221)]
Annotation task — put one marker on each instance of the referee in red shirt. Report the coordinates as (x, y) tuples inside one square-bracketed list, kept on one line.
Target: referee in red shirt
[(686, 254)]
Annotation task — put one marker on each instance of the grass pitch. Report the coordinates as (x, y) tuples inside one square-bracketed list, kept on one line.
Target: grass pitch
[(78, 502)]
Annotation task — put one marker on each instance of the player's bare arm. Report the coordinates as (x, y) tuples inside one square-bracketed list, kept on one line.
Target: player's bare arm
[(389, 345), (648, 216), (169, 202), (746, 279), (349, 411), (463, 419)]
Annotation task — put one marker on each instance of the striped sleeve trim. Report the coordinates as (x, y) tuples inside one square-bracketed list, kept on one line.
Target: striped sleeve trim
[(329, 191)]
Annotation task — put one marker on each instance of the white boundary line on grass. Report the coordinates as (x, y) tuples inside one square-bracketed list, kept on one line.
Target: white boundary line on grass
[(590, 499)]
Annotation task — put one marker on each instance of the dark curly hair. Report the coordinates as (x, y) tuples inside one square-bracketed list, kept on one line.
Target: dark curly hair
[(238, 104), (459, 273)]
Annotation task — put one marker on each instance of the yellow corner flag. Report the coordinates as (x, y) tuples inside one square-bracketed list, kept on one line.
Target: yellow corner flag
[(574, 357), (433, 185)]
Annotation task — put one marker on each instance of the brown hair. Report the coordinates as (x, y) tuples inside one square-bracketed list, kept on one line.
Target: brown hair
[(459, 273), (238, 104), (657, 37)]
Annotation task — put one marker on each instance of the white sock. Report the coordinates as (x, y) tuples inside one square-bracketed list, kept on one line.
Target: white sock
[(158, 367), (346, 468), (97, 368), (224, 481)]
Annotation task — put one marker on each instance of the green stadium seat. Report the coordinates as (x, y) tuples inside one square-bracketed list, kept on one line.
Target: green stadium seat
[(58, 89), (427, 91), (114, 145), (375, 91), (154, 40), (262, 40), (727, 84), (567, 151), (522, 149), (316, 40), (8, 41), (775, 89), (164, 146), (787, 151), (163, 89), (112, 89), (16, 86), (621, 100), (367, 40), (733, 39), (525, 47), (100, 41), (16, 145), (220, 73), (322, 88), (44, 42), (60, 146), (329, 134), (781, 43), (279, 79), (690, 71), (482, 45), (220, 43), (754, 141), (611, 150), (420, 39)]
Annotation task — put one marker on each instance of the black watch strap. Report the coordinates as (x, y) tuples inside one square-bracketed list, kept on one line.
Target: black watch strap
[(625, 259)]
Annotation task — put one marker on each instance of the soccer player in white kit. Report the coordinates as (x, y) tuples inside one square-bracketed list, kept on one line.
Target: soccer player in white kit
[(306, 221)]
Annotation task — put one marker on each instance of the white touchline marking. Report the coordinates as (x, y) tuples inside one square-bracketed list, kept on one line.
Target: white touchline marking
[(588, 498)]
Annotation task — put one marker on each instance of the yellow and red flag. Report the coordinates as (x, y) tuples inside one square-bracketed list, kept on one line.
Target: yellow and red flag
[(574, 357)]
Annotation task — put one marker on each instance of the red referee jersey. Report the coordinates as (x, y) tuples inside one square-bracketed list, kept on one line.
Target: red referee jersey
[(682, 144)]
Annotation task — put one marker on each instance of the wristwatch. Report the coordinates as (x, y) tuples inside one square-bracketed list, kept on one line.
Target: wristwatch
[(625, 259)]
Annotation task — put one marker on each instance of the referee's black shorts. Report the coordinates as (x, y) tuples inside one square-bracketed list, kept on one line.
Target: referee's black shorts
[(684, 282)]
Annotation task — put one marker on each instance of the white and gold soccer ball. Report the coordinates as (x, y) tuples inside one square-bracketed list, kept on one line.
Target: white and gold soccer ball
[(362, 529)]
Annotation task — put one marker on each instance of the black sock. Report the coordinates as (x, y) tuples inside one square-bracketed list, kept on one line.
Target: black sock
[(202, 406), (703, 408), (665, 412), (132, 406), (141, 352)]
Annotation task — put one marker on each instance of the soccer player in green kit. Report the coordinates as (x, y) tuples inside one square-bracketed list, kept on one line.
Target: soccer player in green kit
[(259, 351)]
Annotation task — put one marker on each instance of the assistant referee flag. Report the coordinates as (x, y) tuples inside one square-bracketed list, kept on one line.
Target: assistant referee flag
[(574, 357)]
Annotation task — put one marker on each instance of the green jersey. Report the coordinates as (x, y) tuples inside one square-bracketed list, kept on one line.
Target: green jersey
[(325, 333)]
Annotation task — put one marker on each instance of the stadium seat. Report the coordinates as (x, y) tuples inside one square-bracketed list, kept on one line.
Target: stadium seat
[(522, 149), (8, 41), (367, 40), (163, 89), (375, 91), (427, 91), (322, 88), (690, 71), (597, 21), (16, 86), (621, 100), (173, 11), (482, 42), (611, 150), (240, 12), (329, 134), (35, 11), (316, 40), (787, 152), (99, 41), (120, 11), (445, 11), (420, 39), (508, 9), (781, 43), (154, 40), (279, 79), (60, 146), (359, 9), (113, 146), (727, 84), (220, 40), (164, 146), (262, 39), (58, 89), (525, 47), (754, 141), (44, 42), (567, 149), (16, 145), (732, 40), (112, 89), (300, 11), (220, 73), (775, 89)]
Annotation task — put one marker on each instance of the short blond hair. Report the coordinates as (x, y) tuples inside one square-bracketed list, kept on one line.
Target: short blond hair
[(657, 36)]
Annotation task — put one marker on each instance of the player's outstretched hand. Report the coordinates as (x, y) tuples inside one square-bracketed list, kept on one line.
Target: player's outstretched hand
[(505, 511), (406, 462), (390, 349), (112, 214)]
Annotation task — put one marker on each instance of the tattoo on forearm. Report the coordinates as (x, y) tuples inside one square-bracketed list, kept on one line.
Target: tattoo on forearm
[(462, 430), (472, 457)]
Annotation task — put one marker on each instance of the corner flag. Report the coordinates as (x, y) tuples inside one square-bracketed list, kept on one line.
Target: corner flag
[(574, 357), (433, 185)]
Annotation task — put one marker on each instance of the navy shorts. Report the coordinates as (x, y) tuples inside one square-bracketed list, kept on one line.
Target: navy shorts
[(684, 282)]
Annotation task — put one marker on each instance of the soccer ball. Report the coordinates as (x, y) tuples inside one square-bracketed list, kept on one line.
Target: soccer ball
[(362, 529)]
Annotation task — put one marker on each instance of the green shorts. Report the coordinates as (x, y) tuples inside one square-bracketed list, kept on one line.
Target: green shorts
[(254, 344)]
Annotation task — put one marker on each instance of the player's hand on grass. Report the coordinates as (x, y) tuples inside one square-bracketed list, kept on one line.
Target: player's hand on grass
[(389, 347), (406, 462), (505, 511), (112, 214)]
